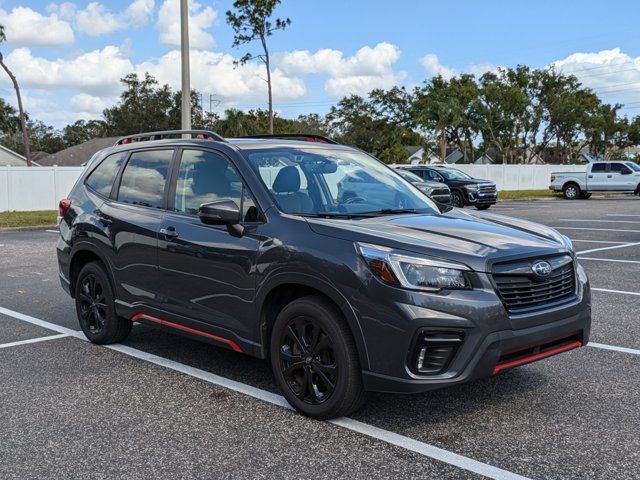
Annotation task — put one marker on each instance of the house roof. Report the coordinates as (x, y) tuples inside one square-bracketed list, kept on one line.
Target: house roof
[(413, 149), (78, 154), (11, 158)]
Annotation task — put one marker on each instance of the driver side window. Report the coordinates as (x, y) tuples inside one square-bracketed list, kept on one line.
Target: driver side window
[(206, 177)]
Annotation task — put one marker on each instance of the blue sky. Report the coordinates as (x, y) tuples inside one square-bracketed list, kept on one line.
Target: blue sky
[(70, 55)]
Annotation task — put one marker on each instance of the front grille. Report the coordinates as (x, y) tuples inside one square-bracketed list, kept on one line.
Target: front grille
[(521, 290), (487, 189), (440, 192)]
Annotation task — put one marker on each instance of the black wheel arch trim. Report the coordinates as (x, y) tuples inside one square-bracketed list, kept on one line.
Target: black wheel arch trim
[(83, 246), (323, 287)]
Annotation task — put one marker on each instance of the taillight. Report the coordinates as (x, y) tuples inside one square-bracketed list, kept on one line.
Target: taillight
[(553, 178), (63, 207)]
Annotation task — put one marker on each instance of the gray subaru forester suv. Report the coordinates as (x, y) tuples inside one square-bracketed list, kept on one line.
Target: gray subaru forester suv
[(254, 245)]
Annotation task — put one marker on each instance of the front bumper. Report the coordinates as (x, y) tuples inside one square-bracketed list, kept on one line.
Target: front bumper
[(481, 199), (492, 337)]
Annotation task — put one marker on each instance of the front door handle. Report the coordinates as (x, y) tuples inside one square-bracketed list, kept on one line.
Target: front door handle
[(609, 176), (169, 233), (590, 176)]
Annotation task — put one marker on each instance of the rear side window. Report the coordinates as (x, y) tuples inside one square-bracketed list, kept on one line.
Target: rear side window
[(102, 178), (144, 178), (599, 168)]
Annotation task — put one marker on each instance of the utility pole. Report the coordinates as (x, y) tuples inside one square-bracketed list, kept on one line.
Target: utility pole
[(186, 77)]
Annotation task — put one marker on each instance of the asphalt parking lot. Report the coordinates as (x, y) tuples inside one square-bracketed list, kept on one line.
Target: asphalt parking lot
[(163, 406)]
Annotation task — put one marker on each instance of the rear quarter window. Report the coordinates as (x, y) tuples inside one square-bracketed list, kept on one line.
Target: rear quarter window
[(102, 178), (144, 178)]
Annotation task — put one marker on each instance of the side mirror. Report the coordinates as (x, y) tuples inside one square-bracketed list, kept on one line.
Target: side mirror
[(222, 212)]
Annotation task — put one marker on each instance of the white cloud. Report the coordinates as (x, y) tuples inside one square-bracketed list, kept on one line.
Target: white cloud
[(433, 68), (90, 104), (200, 20), (612, 74), (215, 73), (96, 19), (369, 68), (26, 27), (97, 72)]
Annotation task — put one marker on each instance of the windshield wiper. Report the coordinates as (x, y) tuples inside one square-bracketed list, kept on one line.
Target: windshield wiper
[(393, 211), (327, 215)]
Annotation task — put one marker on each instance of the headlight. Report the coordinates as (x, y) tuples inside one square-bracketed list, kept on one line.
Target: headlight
[(473, 188), (427, 190), (412, 272)]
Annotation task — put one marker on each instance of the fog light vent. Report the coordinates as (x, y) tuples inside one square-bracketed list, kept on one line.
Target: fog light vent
[(434, 351)]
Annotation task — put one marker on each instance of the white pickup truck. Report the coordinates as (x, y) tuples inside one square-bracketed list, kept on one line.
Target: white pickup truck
[(622, 176)]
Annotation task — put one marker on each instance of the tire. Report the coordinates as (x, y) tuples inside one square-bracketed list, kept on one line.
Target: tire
[(585, 196), (311, 346), (483, 207), (571, 191), (95, 307), (457, 199)]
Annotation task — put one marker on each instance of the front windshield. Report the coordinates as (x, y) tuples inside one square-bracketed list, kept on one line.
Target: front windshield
[(340, 183), (634, 166), (412, 177), (451, 174)]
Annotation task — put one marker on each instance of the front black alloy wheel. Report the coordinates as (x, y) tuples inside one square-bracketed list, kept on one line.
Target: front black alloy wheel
[(307, 361), (457, 199), (95, 306), (315, 360)]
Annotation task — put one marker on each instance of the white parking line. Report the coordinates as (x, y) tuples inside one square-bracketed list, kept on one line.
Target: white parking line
[(608, 260), (597, 241), (596, 229), (622, 292), (622, 215), (632, 351), (608, 248), (52, 231), (33, 340), (595, 220)]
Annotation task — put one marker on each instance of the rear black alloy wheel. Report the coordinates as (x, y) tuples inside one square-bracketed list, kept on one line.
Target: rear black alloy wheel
[(95, 306), (307, 361), (457, 199), (315, 360)]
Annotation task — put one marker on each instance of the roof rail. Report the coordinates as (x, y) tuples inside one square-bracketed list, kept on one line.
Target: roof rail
[(150, 136), (306, 137)]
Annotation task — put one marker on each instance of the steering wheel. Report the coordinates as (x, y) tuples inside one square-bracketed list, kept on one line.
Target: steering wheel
[(351, 200)]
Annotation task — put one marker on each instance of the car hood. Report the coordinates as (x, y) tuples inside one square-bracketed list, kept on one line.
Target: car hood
[(429, 183), (474, 239)]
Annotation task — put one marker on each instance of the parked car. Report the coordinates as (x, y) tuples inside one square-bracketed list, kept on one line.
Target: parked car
[(622, 177), (465, 190), (246, 244), (435, 190)]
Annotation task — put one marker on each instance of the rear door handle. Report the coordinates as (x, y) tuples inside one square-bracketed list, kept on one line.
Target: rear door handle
[(169, 233), (609, 176), (590, 176)]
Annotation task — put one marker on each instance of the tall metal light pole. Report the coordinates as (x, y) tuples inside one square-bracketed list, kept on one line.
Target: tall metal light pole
[(186, 76)]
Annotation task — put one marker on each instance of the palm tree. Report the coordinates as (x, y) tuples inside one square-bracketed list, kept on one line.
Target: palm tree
[(23, 119)]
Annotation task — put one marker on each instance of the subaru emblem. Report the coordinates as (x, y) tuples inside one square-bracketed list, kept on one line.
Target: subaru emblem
[(541, 268)]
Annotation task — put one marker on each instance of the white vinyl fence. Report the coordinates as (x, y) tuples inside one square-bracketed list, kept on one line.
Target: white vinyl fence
[(35, 188), (518, 177), (41, 188)]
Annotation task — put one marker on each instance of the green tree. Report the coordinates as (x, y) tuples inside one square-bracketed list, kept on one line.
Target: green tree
[(16, 87), (251, 21), (83, 131)]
